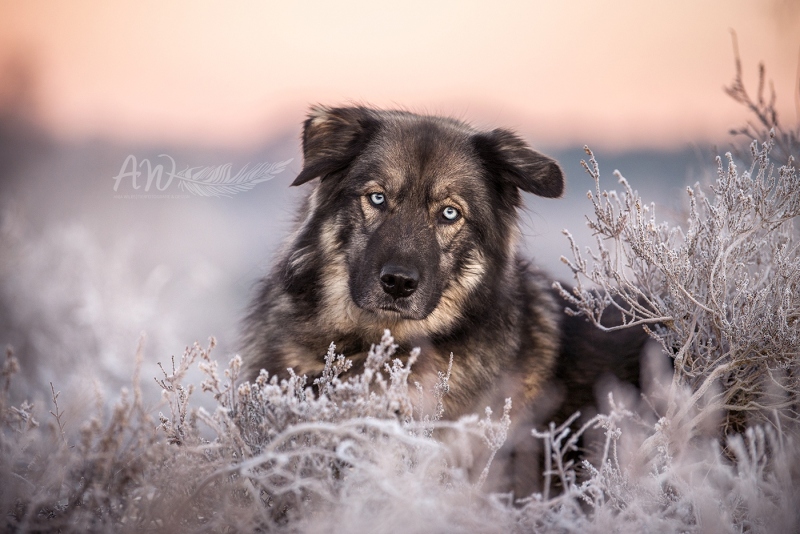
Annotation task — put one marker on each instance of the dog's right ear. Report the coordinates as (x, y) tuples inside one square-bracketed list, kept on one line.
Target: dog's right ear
[(332, 138)]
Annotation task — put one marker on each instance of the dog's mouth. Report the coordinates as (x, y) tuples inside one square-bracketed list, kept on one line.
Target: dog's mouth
[(394, 310)]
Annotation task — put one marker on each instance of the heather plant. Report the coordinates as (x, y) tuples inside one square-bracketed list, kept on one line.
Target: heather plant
[(764, 120), (722, 296), (272, 454)]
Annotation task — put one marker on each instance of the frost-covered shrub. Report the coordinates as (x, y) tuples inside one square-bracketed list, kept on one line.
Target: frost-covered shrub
[(717, 448), (299, 451), (274, 454), (722, 296), (764, 120)]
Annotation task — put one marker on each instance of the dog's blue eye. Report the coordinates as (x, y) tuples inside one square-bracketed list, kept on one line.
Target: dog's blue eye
[(450, 213), (377, 199)]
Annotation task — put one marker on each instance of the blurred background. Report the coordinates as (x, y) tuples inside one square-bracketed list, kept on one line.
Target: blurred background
[(86, 269)]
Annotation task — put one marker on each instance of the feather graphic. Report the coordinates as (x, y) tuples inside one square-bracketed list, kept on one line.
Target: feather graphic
[(216, 180)]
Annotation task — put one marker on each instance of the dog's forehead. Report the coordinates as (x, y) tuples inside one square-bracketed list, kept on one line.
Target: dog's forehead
[(428, 154)]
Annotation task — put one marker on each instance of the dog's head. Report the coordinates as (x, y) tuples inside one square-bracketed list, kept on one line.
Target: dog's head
[(415, 213)]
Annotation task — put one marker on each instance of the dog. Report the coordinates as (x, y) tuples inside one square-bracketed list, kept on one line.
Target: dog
[(412, 225)]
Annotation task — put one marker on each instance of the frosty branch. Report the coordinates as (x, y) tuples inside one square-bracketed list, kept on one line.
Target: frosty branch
[(722, 297)]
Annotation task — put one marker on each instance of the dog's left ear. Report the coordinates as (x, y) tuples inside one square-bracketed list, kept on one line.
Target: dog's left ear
[(509, 157), (332, 138)]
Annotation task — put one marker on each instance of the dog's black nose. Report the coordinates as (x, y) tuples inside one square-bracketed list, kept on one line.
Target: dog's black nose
[(399, 281)]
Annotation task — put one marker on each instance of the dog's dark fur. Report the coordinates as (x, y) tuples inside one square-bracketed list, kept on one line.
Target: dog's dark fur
[(378, 245)]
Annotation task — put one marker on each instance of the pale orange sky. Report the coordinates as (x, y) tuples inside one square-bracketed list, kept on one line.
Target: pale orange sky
[(622, 73)]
